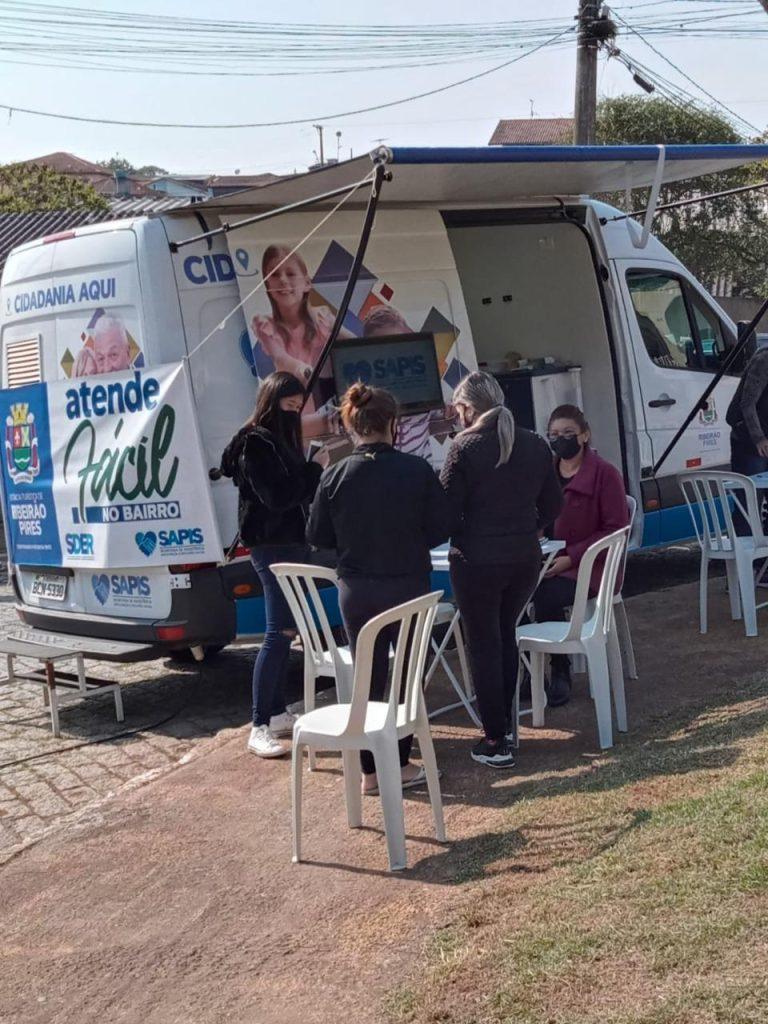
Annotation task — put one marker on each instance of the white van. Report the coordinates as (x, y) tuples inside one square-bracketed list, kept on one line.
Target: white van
[(501, 243)]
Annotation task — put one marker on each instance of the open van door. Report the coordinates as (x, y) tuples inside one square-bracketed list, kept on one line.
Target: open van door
[(679, 339)]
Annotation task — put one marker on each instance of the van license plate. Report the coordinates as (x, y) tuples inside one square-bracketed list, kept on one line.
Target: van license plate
[(52, 588)]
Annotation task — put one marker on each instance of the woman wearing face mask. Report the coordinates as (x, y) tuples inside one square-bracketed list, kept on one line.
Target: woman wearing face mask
[(382, 510), (266, 461), (502, 486), (595, 506)]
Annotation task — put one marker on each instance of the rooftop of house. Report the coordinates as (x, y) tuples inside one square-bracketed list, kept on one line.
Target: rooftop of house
[(101, 178), (533, 131)]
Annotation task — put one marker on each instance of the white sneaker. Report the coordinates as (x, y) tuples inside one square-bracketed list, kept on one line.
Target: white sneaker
[(282, 724), (262, 743)]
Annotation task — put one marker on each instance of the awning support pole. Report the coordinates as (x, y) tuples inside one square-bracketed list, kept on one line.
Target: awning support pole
[(688, 202), (727, 364), (381, 175), (641, 241), (300, 205)]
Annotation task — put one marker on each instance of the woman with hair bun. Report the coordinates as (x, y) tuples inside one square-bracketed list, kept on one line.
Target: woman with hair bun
[(382, 510), (502, 487)]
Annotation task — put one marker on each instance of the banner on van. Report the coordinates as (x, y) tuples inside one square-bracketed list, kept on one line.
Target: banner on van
[(290, 318), (106, 473)]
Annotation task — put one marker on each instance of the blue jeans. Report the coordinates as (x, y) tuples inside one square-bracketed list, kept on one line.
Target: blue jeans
[(272, 659)]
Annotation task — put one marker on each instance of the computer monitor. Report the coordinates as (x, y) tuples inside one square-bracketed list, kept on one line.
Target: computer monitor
[(405, 364)]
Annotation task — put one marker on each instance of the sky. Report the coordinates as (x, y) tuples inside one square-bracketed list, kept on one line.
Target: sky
[(734, 70)]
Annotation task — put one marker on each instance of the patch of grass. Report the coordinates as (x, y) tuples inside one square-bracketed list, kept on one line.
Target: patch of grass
[(648, 903), (400, 1004)]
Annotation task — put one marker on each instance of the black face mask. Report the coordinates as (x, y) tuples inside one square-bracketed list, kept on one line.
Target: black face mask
[(566, 447)]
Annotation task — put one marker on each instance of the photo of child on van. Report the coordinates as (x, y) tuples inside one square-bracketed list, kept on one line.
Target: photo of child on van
[(107, 349), (294, 335)]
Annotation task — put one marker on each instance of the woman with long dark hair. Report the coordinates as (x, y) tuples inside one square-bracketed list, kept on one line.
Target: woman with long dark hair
[(266, 461)]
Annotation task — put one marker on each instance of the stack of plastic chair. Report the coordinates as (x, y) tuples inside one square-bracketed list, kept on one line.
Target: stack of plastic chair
[(711, 497)]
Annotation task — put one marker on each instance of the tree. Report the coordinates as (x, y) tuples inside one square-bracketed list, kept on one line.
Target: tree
[(119, 165), (725, 237), (30, 188)]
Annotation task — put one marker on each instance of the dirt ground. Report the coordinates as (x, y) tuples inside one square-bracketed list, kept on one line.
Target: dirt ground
[(176, 900)]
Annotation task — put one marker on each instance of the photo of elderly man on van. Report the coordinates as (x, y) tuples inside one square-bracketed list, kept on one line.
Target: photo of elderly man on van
[(107, 349)]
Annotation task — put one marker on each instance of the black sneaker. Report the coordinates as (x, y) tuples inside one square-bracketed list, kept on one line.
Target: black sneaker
[(495, 755), (558, 690)]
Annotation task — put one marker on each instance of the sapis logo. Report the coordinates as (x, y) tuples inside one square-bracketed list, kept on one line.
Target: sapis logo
[(192, 537), (362, 371), (117, 585), (148, 541), (382, 370)]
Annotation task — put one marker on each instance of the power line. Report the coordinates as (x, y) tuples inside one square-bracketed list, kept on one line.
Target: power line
[(126, 41), (294, 121), (681, 99), (686, 76)]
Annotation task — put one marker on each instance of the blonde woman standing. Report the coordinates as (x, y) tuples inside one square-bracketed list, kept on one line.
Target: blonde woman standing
[(502, 487)]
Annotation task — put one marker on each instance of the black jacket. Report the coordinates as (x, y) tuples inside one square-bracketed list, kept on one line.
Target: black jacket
[(382, 510), (748, 412), (275, 485), (499, 510)]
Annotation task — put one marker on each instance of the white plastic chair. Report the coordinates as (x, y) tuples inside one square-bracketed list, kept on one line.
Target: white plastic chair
[(448, 615), (710, 496), (377, 726), (620, 620), (619, 609), (593, 637), (323, 657)]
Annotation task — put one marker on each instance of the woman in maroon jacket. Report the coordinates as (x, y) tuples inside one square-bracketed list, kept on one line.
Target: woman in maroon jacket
[(595, 506)]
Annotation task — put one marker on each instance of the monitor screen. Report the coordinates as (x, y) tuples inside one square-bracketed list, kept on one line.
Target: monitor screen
[(405, 364)]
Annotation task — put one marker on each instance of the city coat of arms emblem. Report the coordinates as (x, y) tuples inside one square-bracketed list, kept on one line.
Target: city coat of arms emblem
[(22, 457)]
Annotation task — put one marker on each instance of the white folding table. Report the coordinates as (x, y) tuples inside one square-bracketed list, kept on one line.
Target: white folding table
[(466, 694)]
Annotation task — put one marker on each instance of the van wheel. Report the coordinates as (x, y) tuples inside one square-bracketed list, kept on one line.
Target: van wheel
[(184, 656)]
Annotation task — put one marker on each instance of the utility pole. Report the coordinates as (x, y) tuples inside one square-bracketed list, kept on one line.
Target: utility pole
[(319, 129), (585, 105), (595, 29)]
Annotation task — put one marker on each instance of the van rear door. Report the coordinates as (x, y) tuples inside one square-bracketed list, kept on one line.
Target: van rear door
[(53, 296)]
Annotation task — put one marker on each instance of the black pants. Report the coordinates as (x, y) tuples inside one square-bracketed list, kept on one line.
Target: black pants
[(360, 599), (746, 460), (490, 599), (552, 597)]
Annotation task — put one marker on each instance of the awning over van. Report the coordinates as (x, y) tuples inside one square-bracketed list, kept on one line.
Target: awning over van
[(500, 174)]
